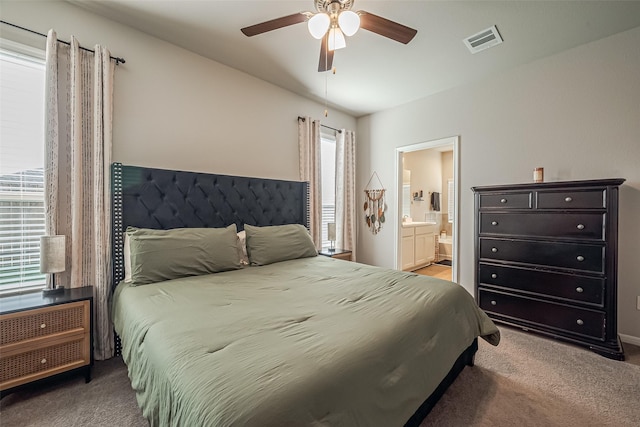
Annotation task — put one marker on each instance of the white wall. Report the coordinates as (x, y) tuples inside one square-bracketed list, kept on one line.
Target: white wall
[(175, 109), (577, 114)]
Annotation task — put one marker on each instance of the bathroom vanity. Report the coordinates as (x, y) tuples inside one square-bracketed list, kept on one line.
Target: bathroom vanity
[(418, 244)]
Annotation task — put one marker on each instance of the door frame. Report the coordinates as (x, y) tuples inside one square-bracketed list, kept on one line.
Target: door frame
[(438, 143)]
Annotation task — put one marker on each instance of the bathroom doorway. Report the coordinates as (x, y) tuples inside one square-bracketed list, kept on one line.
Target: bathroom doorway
[(428, 188)]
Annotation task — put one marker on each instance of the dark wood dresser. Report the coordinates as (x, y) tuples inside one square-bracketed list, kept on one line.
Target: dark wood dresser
[(546, 259)]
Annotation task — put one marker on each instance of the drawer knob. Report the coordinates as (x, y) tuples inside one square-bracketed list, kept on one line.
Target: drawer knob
[(580, 258), (503, 200), (580, 227), (44, 325), (579, 290), (494, 249), (494, 222), (493, 302), (580, 322), (568, 199), (494, 276), (43, 361)]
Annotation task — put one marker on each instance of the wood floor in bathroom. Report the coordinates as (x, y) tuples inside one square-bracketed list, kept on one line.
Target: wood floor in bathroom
[(436, 270)]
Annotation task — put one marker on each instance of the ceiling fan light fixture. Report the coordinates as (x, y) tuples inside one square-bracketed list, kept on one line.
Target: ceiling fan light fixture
[(336, 39), (349, 22), (318, 25)]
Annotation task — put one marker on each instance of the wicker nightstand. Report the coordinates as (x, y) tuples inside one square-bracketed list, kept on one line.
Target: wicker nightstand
[(42, 336), (336, 253)]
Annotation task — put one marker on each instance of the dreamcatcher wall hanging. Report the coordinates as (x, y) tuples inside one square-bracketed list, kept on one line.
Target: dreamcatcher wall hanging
[(374, 205)]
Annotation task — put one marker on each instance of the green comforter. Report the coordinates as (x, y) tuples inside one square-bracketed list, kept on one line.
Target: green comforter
[(314, 341)]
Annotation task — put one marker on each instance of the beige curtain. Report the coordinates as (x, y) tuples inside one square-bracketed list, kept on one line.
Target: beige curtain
[(309, 150), (78, 113), (346, 191)]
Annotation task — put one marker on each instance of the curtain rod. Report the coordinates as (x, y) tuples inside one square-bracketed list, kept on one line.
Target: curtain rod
[(115, 58), (324, 126)]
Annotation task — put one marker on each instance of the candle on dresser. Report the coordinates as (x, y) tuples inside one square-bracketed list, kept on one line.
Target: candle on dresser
[(538, 175)]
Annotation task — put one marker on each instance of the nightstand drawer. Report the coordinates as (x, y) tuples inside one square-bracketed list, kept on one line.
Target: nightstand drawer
[(345, 256), (44, 361), (36, 323), (336, 253)]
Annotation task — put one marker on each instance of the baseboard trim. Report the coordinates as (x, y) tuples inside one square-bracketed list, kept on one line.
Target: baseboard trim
[(630, 339)]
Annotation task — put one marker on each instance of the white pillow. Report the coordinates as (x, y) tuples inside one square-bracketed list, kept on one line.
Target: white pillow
[(242, 248)]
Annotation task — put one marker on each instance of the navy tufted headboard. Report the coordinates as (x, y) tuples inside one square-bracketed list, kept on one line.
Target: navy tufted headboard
[(165, 199)]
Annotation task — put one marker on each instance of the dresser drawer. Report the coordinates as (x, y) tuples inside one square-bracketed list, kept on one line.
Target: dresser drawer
[(560, 285), (577, 226), (42, 322), (575, 256), (521, 200), (585, 322), (571, 199)]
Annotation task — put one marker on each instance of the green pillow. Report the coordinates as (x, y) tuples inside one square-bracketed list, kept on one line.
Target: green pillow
[(266, 245), (158, 255)]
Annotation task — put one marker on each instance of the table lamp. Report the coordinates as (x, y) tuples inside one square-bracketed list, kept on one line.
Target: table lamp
[(52, 260), (331, 235)]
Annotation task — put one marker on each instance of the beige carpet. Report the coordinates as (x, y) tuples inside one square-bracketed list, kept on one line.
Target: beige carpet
[(532, 381), (525, 381)]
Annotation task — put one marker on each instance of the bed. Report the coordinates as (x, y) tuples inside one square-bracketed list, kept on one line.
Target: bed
[(294, 340)]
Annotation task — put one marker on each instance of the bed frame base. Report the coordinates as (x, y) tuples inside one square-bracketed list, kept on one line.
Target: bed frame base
[(466, 358)]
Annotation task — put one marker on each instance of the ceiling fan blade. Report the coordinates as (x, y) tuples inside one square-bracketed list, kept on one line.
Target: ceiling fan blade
[(326, 55), (386, 28), (274, 24)]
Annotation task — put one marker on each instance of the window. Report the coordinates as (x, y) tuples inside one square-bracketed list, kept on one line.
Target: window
[(328, 174), (22, 220)]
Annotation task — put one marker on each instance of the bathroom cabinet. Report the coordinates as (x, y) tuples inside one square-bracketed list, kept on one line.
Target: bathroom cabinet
[(418, 245), (546, 259)]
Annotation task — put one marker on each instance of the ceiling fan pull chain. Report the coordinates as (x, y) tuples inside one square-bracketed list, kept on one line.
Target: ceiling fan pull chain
[(326, 109)]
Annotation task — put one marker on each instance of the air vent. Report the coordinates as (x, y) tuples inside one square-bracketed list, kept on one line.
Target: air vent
[(483, 40)]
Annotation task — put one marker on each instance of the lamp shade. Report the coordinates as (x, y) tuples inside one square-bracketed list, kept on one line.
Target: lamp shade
[(318, 25), (331, 231), (52, 254), (336, 39), (349, 22)]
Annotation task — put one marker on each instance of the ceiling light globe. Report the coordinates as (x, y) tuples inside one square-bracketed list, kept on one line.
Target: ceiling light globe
[(336, 39), (318, 25), (349, 22)]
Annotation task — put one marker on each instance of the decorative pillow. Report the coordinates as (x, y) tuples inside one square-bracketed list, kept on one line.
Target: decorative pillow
[(242, 247), (266, 245), (158, 255)]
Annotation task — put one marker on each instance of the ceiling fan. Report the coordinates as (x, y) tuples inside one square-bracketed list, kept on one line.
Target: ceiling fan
[(333, 20)]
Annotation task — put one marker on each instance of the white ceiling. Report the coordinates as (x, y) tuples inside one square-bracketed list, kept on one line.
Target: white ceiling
[(373, 72)]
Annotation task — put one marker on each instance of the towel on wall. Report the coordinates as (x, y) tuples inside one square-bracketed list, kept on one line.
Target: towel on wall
[(435, 201)]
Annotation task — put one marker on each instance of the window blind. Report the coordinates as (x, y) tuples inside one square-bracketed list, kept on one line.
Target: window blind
[(22, 218)]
